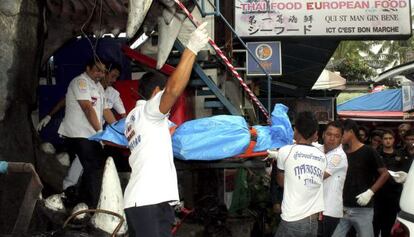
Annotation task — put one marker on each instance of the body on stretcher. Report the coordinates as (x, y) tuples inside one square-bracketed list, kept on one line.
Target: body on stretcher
[(217, 137)]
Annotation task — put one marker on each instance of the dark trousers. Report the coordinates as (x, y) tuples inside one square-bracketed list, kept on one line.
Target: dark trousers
[(327, 226), (385, 213), (91, 156), (150, 221)]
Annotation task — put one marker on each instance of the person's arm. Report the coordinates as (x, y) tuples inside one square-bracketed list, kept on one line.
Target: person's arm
[(49, 116), (283, 155), (180, 77), (334, 164), (280, 178), (364, 198), (384, 175), (109, 116), (90, 114), (119, 106), (60, 105)]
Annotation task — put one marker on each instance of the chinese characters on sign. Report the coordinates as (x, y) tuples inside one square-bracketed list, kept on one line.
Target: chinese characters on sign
[(269, 56), (322, 18)]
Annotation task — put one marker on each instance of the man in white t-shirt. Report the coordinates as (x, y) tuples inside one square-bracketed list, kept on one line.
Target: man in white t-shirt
[(84, 113), (300, 172), (113, 99), (112, 96), (153, 183), (335, 175)]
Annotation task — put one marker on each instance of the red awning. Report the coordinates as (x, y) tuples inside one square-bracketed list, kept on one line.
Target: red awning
[(392, 116), (371, 114)]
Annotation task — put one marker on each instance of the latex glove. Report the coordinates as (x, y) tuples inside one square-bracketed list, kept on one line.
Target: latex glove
[(399, 176), (3, 167), (198, 39), (43, 122), (364, 198), (272, 153)]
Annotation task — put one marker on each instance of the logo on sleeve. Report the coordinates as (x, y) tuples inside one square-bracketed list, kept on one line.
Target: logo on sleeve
[(336, 159), (83, 87)]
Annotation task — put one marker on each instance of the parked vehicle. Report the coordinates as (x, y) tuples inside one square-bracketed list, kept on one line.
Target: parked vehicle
[(405, 219)]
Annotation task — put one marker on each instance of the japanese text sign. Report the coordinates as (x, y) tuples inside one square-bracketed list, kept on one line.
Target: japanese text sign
[(350, 18)]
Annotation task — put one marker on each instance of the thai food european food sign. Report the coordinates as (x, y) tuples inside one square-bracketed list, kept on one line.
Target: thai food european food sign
[(339, 18)]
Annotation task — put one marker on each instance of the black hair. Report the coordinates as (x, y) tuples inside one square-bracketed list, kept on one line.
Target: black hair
[(114, 65), (94, 61), (376, 132), (365, 129), (336, 124), (91, 63), (388, 131), (350, 124), (306, 124), (149, 81), (409, 133)]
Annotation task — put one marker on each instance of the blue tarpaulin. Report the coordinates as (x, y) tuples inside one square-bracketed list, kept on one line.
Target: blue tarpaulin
[(215, 137), (388, 100)]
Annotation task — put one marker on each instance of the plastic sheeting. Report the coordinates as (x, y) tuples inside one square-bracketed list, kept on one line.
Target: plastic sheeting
[(388, 100), (113, 133), (211, 138), (280, 132), (217, 137)]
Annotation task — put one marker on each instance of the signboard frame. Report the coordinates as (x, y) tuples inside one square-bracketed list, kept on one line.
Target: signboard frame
[(366, 19), (272, 57)]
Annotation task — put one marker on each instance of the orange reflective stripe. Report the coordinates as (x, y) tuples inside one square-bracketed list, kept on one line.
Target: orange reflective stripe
[(172, 130)]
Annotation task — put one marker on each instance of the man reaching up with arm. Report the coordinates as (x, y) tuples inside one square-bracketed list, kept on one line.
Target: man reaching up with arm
[(153, 183)]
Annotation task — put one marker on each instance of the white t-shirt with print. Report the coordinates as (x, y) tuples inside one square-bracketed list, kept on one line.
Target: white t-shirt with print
[(75, 122), (153, 178), (113, 100), (303, 167), (334, 184)]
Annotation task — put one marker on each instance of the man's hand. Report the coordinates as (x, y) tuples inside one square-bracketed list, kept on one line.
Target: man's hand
[(198, 39), (364, 198), (272, 153), (399, 176), (43, 123)]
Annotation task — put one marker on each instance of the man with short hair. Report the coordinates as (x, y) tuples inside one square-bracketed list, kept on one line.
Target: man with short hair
[(112, 96), (376, 139), (366, 175), (153, 183), (84, 113), (301, 169), (334, 177), (363, 134), (402, 130), (386, 204)]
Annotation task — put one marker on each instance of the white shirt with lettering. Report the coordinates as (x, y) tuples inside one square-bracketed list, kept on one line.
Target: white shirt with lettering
[(75, 123), (303, 166), (334, 184), (153, 177)]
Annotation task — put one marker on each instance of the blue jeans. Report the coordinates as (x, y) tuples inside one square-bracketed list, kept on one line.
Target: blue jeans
[(306, 227), (358, 217)]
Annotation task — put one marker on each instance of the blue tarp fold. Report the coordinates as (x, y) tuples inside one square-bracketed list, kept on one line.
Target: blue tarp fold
[(280, 132)]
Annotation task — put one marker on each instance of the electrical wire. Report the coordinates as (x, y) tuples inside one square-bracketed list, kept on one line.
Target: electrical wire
[(94, 46)]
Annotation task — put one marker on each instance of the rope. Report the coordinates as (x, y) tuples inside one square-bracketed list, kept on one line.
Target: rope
[(228, 64), (118, 227)]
